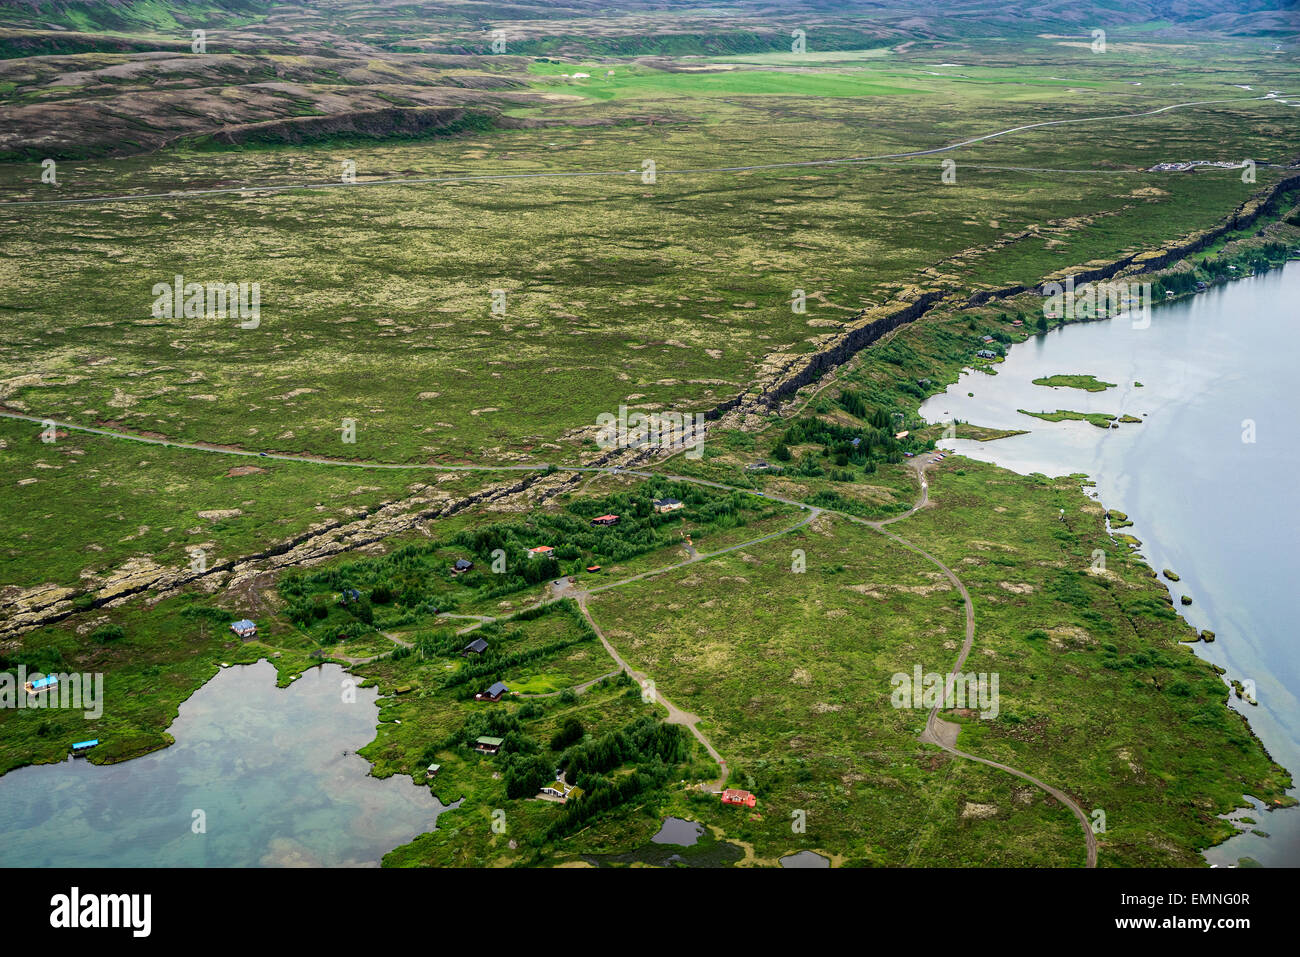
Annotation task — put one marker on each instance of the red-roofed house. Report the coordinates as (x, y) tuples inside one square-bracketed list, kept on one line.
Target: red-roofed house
[(738, 797)]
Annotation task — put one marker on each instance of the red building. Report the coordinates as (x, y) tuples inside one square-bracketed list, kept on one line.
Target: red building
[(738, 797), (605, 520)]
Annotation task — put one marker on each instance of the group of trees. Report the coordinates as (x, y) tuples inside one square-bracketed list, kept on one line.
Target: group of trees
[(526, 774), (875, 444), (640, 529), (1254, 259), (644, 740), (603, 794), (493, 663), (571, 732), (416, 579)]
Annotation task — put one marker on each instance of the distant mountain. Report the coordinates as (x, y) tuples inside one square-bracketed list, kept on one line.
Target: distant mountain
[(112, 77), (131, 16), (607, 25)]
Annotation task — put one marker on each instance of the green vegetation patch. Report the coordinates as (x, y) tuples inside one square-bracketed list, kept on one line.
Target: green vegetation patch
[(1088, 383), (1102, 420)]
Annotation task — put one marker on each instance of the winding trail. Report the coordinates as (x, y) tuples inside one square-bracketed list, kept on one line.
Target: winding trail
[(944, 733), (939, 732), (675, 714), (576, 689)]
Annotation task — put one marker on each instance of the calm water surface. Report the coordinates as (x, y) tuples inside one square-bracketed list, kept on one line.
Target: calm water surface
[(273, 769), (1221, 512)]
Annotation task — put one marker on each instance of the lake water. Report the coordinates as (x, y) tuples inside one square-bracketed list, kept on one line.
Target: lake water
[(1209, 499), (677, 831), (273, 769), (805, 859)]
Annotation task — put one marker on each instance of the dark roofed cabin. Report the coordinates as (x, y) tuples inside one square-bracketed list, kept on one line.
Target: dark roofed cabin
[(475, 647), (492, 694), (462, 565)]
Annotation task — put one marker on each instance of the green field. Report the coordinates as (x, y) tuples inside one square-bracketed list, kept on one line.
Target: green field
[(514, 276)]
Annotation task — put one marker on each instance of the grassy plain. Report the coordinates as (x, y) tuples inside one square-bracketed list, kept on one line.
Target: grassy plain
[(377, 307)]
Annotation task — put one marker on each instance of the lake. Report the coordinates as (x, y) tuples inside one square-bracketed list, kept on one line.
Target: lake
[(1208, 478), (273, 770)]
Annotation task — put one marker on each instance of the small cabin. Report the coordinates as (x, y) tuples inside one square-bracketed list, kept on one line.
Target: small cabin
[(593, 568), (244, 628), (667, 505), (488, 745), (738, 797), (475, 647), (349, 596), (493, 693), (605, 520), (432, 771), (81, 747), (564, 792), (461, 566), (541, 551)]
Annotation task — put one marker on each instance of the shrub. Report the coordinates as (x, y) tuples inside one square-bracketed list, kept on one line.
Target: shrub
[(106, 633), (570, 733)]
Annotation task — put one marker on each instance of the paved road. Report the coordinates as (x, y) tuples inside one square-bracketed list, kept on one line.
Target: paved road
[(574, 174)]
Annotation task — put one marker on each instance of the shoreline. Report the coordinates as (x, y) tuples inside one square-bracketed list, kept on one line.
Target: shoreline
[(1089, 489)]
